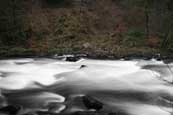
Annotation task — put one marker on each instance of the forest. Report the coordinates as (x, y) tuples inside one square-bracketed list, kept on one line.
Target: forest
[(93, 27)]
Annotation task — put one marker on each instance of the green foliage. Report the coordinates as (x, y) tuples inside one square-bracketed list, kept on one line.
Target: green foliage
[(61, 50), (11, 23), (16, 51), (134, 38), (167, 42), (103, 27), (40, 35), (15, 38), (136, 33)]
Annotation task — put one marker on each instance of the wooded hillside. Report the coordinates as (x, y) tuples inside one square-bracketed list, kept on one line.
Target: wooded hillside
[(101, 27)]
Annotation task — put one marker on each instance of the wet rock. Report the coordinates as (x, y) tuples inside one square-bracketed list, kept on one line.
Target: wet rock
[(138, 56), (82, 66), (72, 58), (91, 103), (3, 101), (10, 109), (143, 56), (157, 57)]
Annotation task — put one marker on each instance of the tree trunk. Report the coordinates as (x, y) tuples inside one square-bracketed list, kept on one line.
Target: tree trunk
[(147, 27), (13, 21), (14, 13)]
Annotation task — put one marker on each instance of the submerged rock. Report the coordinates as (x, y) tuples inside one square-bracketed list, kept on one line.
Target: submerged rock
[(91, 103), (83, 66), (10, 109), (3, 101)]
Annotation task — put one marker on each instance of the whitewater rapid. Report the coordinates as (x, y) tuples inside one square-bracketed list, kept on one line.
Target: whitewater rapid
[(138, 87)]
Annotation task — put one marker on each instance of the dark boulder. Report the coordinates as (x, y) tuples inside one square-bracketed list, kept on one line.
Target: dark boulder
[(91, 103), (157, 57), (138, 56), (82, 66), (143, 56), (10, 109), (72, 58), (3, 101)]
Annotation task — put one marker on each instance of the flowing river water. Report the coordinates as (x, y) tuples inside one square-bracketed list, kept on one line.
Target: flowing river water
[(136, 87)]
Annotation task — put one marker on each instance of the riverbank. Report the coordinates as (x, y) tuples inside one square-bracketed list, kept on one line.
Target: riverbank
[(167, 57), (129, 53)]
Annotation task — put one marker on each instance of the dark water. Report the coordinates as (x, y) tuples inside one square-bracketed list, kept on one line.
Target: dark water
[(135, 87)]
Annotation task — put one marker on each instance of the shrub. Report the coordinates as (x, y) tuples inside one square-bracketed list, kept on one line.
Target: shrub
[(134, 38)]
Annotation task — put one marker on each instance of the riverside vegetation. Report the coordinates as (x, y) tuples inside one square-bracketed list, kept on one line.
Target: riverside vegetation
[(94, 27)]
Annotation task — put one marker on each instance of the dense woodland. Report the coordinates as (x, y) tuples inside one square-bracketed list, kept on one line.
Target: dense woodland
[(97, 27)]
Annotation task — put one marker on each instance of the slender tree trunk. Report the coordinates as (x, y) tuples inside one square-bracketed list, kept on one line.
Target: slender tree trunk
[(13, 20), (168, 35), (14, 12), (147, 26), (81, 6)]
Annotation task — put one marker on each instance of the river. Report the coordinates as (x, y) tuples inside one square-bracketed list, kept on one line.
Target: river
[(136, 87)]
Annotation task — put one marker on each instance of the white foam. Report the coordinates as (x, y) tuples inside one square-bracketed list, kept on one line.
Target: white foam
[(144, 109), (97, 76)]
